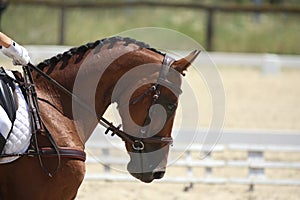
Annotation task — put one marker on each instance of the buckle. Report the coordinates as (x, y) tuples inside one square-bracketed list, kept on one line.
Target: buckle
[(138, 145)]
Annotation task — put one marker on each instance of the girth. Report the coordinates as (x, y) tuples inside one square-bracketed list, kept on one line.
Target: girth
[(48, 152)]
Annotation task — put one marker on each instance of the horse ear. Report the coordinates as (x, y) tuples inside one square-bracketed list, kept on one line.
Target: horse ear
[(182, 64)]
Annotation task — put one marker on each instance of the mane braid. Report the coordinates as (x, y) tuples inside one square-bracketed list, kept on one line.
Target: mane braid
[(81, 50)]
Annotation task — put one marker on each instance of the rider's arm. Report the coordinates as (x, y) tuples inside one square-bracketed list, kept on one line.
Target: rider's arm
[(5, 41), (13, 50)]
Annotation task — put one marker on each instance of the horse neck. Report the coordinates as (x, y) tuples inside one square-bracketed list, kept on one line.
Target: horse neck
[(56, 106), (81, 74)]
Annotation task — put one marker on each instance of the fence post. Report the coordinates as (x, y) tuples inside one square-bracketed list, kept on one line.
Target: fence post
[(210, 29), (62, 24), (188, 159), (106, 154), (271, 64), (208, 169)]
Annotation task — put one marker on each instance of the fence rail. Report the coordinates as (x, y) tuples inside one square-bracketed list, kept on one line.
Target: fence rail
[(191, 5), (253, 144), (208, 8), (268, 63)]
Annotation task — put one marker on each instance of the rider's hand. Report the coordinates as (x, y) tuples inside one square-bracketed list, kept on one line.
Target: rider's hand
[(18, 53)]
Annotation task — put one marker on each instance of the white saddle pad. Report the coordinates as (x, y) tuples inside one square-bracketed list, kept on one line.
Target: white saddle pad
[(5, 123), (19, 139)]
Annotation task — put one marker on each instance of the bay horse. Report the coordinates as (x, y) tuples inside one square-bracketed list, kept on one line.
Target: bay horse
[(74, 89)]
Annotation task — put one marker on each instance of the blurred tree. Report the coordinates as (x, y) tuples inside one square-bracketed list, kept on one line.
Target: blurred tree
[(3, 5)]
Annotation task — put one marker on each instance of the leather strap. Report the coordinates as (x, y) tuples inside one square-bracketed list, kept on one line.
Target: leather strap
[(64, 152)]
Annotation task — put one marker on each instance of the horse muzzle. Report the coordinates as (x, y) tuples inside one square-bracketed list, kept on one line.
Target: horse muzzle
[(145, 173), (149, 176)]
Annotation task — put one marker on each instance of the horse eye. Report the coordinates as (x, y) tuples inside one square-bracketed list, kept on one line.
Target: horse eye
[(171, 106)]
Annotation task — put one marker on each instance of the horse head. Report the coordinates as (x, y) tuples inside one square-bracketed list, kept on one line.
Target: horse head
[(147, 106), (74, 90), (144, 82)]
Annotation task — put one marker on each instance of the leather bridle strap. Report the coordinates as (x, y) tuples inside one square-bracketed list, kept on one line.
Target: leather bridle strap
[(138, 144), (167, 62), (105, 123)]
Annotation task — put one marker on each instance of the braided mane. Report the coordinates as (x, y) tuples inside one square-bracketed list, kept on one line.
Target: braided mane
[(81, 50)]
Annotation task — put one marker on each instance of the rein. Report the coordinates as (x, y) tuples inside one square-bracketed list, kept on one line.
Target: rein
[(136, 142), (38, 127)]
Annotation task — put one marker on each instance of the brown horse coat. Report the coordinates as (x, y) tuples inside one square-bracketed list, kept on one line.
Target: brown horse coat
[(111, 58)]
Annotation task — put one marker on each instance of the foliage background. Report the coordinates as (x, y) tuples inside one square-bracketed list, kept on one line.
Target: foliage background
[(233, 32)]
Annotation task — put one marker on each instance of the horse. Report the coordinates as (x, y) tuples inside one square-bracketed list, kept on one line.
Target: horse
[(74, 89)]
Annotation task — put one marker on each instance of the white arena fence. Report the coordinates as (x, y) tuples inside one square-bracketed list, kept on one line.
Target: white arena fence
[(252, 148), (254, 145), (268, 63)]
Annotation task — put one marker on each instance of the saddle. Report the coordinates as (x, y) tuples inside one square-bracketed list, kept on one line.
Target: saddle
[(8, 109)]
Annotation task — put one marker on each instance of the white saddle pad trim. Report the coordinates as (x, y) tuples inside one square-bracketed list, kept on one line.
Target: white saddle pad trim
[(19, 139), (5, 123)]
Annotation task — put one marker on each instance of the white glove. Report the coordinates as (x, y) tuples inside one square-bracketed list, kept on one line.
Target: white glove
[(18, 53)]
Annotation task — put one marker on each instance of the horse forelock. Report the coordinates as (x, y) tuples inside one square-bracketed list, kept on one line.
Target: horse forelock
[(81, 50)]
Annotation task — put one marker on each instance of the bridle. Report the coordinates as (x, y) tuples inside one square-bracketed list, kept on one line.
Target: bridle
[(138, 143)]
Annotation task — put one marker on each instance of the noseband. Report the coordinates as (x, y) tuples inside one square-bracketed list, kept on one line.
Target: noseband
[(138, 143)]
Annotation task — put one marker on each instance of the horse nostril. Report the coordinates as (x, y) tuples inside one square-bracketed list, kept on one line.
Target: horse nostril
[(158, 175)]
